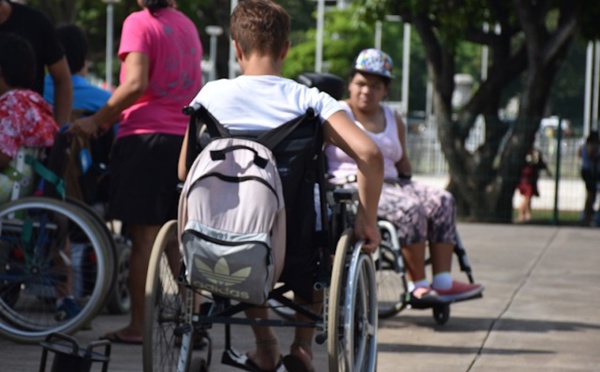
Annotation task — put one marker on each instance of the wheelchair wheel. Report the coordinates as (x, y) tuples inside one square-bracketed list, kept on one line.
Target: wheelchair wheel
[(49, 246), (390, 282), (441, 313), (165, 347), (119, 299), (352, 322), (391, 279)]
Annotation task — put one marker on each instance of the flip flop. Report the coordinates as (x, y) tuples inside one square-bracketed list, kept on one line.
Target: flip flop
[(242, 361), (294, 363), (114, 338)]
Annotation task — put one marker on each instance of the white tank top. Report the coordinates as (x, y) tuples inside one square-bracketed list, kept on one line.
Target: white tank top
[(341, 165)]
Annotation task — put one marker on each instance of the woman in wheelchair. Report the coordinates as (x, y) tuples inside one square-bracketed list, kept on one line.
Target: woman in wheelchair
[(261, 99), (419, 212)]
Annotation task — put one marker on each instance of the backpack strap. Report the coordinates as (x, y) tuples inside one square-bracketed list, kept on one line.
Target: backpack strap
[(214, 127), (274, 136)]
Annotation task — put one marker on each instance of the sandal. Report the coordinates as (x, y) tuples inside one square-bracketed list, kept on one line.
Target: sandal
[(422, 298), (242, 361)]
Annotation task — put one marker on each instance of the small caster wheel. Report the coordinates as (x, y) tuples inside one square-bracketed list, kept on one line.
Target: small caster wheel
[(441, 314)]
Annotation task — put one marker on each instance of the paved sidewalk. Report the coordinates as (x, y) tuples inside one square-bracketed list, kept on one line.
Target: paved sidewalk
[(540, 311)]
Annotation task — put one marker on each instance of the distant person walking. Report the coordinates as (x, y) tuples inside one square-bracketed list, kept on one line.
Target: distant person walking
[(590, 170), (528, 183)]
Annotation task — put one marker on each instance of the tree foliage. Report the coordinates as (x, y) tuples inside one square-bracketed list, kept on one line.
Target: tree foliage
[(531, 47)]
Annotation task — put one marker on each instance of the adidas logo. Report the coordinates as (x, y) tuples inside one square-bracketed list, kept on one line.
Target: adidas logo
[(221, 274)]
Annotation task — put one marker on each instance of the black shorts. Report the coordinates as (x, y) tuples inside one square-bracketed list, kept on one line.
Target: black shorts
[(143, 179)]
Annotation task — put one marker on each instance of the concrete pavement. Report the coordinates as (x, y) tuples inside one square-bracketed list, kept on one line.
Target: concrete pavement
[(540, 311)]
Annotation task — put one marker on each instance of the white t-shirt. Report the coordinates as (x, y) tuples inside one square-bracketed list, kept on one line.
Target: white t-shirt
[(262, 102)]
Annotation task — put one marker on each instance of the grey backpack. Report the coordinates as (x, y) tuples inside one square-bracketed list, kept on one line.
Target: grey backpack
[(232, 220)]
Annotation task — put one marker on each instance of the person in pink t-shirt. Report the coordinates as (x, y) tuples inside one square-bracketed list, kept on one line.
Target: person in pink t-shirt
[(161, 54)]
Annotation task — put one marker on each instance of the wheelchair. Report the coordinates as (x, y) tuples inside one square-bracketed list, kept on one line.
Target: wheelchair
[(45, 242), (392, 286), (175, 319), (52, 241)]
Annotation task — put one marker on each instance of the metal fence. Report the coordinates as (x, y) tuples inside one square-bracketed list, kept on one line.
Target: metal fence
[(564, 189)]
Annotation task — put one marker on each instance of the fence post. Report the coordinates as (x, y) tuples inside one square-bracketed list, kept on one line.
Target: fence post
[(555, 218)]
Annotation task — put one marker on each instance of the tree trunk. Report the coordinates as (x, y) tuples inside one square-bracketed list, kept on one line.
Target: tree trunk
[(483, 182)]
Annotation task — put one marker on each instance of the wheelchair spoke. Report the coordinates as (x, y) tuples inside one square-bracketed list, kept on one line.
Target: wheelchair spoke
[(50, 249)]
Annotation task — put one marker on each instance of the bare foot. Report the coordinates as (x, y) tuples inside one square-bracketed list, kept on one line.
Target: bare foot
[(267, 355), (123, 336), (299, 359)]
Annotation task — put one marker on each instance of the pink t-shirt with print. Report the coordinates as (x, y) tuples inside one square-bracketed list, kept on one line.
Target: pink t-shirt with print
[(171, 42)]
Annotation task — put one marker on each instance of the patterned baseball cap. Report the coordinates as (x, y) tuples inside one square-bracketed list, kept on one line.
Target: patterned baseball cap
[(374, 61)]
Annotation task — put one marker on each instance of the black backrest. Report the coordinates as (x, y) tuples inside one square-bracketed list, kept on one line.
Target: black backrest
[(331, 84)]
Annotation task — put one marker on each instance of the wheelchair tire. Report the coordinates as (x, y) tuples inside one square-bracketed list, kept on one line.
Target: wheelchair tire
[(352, 318), (34, 230), (334, 333), (390, 282), (119, 298), (165, 311)]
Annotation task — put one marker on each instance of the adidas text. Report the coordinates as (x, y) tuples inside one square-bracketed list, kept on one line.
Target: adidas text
[(224, 291)]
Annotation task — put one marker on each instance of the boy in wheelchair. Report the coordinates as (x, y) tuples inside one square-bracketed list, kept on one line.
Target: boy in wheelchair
[(261, 99)]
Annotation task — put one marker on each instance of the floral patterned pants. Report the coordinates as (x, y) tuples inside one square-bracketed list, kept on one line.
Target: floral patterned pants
[(420, 212)]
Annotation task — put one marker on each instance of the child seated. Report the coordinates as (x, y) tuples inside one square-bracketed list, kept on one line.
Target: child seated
[(261, 99), (26, 122)]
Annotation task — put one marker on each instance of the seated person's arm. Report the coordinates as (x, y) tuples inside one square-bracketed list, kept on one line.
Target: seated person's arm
[(181, 164), (63, 91), (403, 165), (340, 131)]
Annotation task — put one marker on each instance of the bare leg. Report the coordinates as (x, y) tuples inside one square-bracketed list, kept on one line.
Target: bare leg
[(441, 257), (303, 337), (268, 353), (527, 215), (522, 209), (142, 240), (414, 259)]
